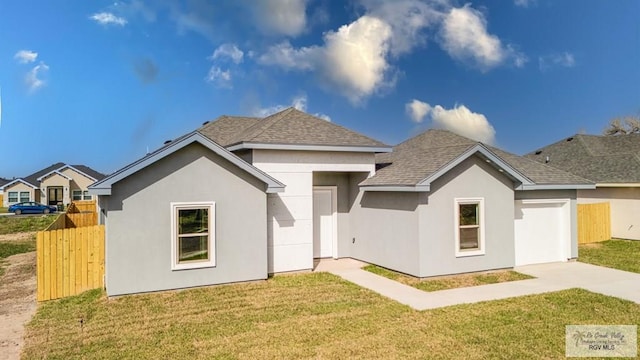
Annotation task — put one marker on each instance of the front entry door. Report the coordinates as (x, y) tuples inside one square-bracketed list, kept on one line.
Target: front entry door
[(324, 222), (54, 195)]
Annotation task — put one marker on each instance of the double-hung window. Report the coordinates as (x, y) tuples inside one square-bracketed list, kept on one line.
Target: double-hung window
[(76, 195), (469, 220), (86, 195), (193, 235), (12, 196), (24, 196)]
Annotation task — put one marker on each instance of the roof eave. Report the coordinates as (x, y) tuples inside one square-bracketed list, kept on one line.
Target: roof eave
[(617, 185), (556, 187), (396, 188), (303, 147)]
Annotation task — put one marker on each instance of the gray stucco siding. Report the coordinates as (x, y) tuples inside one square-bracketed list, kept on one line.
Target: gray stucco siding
[(473, 178), (138, 217), (385, 230)]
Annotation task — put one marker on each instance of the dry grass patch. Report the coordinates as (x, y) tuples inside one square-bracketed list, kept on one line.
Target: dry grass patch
[(305, 316), (449, 282), (17, 224), (616, 253), (12, 246)]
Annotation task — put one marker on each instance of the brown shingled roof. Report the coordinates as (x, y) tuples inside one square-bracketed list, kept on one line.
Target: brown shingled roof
[(422, 156), (287, 127), (602, 159)]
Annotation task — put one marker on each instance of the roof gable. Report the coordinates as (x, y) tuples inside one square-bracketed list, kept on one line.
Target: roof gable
[(416, 163), (18, 180), (103, 187), (289, 129), (602, 159)]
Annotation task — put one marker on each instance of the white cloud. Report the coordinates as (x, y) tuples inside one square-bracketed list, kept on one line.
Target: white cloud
[(32, 79), (221, 78), (465, 38), (459, 120), (288, 57), (417, 110), (352, 60), (524, 3), (228, 51), (298, 102), (408, 19), (107, 18), (26, 56), (564, 59), (280, 17)]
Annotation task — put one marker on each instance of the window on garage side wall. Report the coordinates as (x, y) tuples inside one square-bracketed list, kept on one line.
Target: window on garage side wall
[(193, 235), (469, 220)]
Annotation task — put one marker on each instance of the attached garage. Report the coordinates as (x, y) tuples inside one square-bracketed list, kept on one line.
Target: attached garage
[(542, 231)]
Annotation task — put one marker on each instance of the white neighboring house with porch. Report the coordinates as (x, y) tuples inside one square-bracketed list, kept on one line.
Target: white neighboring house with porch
[(57, 184)]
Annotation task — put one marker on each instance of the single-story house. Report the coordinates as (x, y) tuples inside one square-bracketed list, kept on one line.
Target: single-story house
[(243, 197), (3, 181), (613, 164), (56, 184)]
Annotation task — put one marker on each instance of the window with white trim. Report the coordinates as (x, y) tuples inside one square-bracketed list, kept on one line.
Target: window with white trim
[(193, 235), (86, 196), (76, 195), (469, 222), (12, 196), (25, 196)]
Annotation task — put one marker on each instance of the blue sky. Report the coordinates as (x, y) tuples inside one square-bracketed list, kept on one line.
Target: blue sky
[(98, 83)]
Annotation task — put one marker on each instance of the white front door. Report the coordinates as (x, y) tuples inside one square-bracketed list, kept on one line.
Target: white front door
[(324, 222), (542, 231)]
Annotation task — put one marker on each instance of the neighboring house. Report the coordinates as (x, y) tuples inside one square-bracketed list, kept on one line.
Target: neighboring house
[(3, 181), (613, 164), (243, 197), (57, 184)]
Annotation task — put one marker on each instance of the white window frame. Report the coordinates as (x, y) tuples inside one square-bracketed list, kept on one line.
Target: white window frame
[(28, 196), (481, 223), (175, 206), (16, 198), (86, 195), (73, 195)]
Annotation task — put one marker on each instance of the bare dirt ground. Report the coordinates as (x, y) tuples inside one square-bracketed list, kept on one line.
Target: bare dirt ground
[(17, 298)]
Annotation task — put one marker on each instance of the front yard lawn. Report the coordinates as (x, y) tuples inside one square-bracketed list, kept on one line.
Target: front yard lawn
[(314, 315), (615, 253), (449, 282), (16, 224)]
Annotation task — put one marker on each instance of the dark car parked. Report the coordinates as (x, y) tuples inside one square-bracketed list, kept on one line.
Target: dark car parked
[(31, 207)]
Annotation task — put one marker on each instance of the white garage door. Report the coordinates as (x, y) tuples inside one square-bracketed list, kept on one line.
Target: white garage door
[(542, 231)]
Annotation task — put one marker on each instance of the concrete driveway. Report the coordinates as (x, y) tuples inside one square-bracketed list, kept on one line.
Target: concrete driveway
[(549, 277)]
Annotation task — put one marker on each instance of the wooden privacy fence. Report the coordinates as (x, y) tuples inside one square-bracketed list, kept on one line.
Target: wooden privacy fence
[(69, 261), (82, 206), (594, 223)]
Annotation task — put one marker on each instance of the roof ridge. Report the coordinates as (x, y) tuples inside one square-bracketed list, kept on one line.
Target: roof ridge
[(584, 144)]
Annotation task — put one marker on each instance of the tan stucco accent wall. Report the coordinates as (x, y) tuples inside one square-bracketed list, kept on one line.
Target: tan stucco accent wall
[(17, 187), (625, 207)]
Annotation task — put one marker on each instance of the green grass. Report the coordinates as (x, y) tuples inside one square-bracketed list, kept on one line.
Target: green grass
[(4, 209), (15, 224), (8, 248), (314, 315), (617, 254), (449, 282)]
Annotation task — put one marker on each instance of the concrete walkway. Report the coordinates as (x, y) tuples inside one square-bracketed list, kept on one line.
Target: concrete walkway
[(549, 277)]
